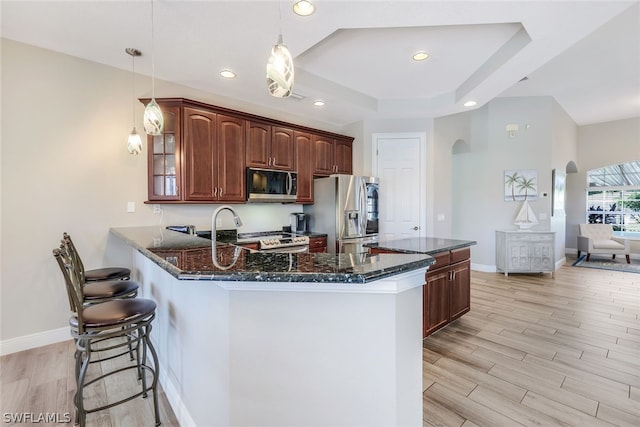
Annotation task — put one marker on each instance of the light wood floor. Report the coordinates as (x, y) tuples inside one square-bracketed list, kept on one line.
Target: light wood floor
[(534, 350), (41, 381), (539, 351)]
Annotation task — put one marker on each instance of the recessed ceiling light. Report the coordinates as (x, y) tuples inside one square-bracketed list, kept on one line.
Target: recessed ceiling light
[(227, 74), (420, 56), (470, 103), (318, 103), (304, 8)]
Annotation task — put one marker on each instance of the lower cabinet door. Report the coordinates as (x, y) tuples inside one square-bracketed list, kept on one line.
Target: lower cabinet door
[(436, 300), (460, 289)]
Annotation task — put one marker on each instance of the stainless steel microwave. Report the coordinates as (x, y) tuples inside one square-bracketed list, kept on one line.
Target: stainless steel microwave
[(265, 185)]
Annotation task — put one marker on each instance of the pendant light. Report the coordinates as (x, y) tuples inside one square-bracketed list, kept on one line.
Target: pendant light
[(280, 71), (153, 120), (134, 143)]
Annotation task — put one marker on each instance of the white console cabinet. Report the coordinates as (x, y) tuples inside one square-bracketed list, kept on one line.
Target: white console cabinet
[(525, 251)]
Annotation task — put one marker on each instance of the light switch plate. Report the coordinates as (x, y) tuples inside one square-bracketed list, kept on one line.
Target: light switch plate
[(131, 206)]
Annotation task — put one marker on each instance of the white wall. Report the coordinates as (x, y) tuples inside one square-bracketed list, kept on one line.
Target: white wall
[(599, 145), (564, 149), (478, 172), (65, 167)]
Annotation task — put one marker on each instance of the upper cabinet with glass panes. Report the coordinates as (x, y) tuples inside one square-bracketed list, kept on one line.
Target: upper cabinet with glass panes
[(164, 162)]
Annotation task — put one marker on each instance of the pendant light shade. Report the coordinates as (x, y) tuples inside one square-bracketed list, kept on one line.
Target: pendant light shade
[(280, 71), (280, 66), (134, 143), (153, 120)]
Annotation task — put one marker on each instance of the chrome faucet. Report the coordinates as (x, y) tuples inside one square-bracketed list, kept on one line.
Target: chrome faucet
[(238, 223), (214, 217)]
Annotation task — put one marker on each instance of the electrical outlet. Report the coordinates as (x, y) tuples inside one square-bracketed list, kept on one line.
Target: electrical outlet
[(157, 209), (131, 206)]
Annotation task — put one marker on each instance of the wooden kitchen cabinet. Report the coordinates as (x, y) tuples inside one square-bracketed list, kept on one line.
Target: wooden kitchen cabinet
[(460, 297), (323, 160), (200, 154), (203, 152), (447, 289), (165, 182), (343, 153), (270, 147), (213, 157), (332, 155), (230, 164), (304, 167), (318, 244), (436, 300)]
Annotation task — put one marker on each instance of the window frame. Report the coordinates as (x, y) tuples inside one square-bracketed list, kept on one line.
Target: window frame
[(611, 207)]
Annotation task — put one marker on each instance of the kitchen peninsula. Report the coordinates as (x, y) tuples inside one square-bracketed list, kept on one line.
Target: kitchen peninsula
[(250, 338)]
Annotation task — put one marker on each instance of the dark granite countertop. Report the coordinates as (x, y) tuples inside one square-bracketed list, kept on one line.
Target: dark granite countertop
[(189, 257), (421, 245)]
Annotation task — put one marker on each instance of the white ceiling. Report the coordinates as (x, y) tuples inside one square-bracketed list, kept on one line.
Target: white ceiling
[(355, 55)]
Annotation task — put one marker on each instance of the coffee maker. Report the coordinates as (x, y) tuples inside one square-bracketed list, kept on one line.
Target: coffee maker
[(299, 223)]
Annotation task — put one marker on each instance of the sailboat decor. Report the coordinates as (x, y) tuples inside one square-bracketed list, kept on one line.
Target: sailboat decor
[(525, 218)]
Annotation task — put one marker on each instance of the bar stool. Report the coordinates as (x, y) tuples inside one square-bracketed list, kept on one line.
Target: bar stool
[(99, 290), (98, 274), (105, 327)]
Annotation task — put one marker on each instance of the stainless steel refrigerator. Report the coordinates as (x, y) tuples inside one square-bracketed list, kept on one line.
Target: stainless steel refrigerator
[(346, 208)]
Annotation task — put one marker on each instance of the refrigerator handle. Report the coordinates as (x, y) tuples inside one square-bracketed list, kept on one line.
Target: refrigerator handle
[(363, 207)]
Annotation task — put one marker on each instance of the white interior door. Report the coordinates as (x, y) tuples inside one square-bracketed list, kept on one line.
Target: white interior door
[(397, 163)]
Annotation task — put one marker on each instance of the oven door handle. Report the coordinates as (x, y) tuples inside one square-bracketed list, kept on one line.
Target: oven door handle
[(288, 249)]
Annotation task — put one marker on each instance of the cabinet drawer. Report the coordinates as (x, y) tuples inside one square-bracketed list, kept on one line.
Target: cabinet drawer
[(317, 242), (531, 237), (442, 260), (458, 255)]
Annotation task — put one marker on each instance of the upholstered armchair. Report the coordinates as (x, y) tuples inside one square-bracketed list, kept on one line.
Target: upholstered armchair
[(599, 239)]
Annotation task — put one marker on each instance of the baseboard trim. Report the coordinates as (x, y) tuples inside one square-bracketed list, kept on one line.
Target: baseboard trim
[(175, 400), (483, 268), (27, 342)]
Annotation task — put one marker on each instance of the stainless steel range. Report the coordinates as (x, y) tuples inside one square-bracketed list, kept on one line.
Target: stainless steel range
[(284, 243)]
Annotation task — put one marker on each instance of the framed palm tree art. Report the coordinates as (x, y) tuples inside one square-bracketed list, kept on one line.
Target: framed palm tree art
[(520, 184)]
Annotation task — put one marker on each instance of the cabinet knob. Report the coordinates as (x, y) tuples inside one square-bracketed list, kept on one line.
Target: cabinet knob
[(416, 228)]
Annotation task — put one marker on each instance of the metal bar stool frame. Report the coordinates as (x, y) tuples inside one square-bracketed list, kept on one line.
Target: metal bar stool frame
[(101, 327), (97, 291), (97, 274)]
